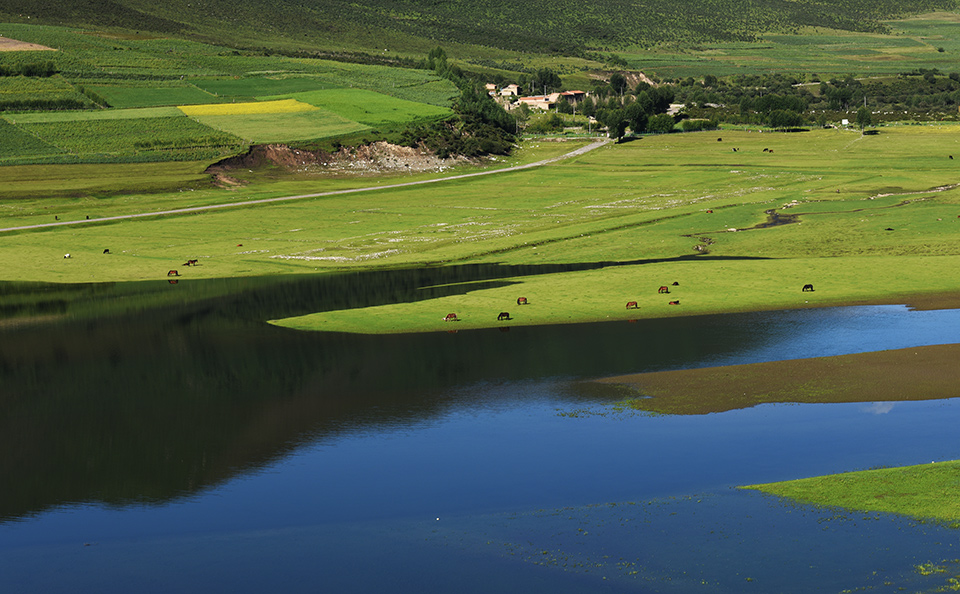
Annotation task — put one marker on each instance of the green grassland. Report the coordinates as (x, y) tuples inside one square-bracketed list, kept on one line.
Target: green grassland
[(623, 220), (926, 491), (385, 26), (909, 44)]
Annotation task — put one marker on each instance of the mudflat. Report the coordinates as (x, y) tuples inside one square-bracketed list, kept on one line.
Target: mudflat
[(920, 373)]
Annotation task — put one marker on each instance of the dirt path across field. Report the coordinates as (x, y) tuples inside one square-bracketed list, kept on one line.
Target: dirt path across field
[(12, 45), (179, 211)]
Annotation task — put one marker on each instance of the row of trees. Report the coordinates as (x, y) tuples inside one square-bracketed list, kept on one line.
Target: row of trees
[(481, 127)]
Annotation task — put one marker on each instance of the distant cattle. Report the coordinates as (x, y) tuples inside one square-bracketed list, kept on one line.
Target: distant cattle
[(504, 315), (807, 288), (674, 302), (521, 300), (451, 317), (663, 289), (65, 256), (173, 273), (632, 305)]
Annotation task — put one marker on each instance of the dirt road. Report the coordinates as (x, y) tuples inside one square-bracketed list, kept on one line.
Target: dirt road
[(179, 211)]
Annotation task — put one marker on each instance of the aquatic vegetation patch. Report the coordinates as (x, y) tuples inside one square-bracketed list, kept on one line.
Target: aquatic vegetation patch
[(918, 373)]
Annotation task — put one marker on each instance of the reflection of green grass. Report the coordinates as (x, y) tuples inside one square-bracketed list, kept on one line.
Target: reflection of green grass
[(283, 127), (923, 491)]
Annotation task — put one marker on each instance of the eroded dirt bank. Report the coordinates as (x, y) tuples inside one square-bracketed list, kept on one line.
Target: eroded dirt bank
[(372, 159)]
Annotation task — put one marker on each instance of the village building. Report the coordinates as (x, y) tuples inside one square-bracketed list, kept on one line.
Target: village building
[(546, 102)]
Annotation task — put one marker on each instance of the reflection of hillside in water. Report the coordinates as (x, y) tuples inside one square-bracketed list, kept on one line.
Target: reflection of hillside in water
[(156, 405)]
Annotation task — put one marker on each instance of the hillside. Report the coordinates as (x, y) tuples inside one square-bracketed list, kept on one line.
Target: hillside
[(570, 27)]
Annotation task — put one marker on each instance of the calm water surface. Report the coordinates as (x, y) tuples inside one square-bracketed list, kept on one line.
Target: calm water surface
[(201, 450)]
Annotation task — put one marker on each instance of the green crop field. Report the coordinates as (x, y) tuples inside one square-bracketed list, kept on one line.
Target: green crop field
[(127, 96), (259, 86), (120, 137), (367, 107), (15, 144), (282, 127)]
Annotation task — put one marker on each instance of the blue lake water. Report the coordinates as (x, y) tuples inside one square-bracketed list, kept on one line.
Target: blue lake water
[(214, 456)]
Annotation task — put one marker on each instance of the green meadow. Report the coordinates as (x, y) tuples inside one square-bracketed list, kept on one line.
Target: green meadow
[(595, 231), (925, 491)]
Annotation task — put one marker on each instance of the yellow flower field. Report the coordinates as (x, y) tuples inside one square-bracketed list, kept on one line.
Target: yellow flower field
[(249, 108)]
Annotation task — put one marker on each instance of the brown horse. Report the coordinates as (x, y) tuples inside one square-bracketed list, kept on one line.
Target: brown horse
[(173, 273), (521, 300), (663, 289), (451, 317), (632, 305), (677, 302), (504, 315)]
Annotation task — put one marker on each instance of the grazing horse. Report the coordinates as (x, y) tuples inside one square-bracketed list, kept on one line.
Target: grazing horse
[(521, 300), (663, 289), (719, 140), (173, 273), (676, 284), (807, 288), (677, 302), (451, 317), (632, 305), (504, 315), (106, 251), (191, 263)]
